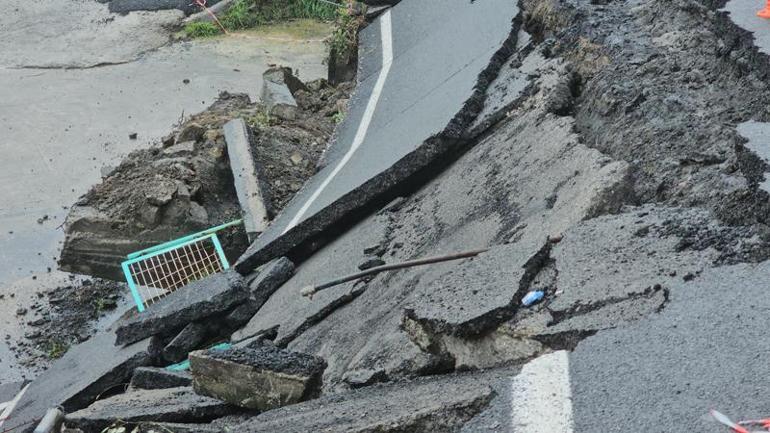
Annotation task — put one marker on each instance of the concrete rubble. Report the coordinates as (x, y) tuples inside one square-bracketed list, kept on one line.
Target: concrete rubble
[(258, 376), (170, 404), (441, 404)]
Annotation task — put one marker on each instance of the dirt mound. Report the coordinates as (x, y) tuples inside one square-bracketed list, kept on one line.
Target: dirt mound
[(184, 184)]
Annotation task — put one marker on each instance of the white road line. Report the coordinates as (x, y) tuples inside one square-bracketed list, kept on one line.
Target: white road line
[(541, 396), (363, 127), (11, 405)]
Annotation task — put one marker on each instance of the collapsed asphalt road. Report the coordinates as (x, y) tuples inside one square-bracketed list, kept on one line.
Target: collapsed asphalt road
[(416, 92), (608, 169)]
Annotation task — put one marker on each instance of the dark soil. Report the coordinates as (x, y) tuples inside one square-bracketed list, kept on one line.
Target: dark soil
[(64, 316), (662, 86)]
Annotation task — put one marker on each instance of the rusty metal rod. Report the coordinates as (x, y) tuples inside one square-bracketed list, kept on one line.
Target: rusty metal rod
[(309, 291)]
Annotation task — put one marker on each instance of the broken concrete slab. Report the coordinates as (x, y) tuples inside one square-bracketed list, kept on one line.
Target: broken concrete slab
[(78, 378), (620, 256), (284, 75), (261, 377), (159, 378), (248, 183), (188, 339), (279, 100), (211, 295), (500, 278), (170, 405), (436, 405)]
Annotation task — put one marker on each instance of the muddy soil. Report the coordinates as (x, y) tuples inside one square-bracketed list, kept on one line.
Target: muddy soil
[(64, 316), (662, 86), (184, 184)]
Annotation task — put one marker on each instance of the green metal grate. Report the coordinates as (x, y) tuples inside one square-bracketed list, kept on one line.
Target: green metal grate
[(153, 273)]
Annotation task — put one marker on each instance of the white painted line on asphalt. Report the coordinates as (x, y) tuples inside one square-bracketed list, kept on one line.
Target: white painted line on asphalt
[(386, 35), (11, 405), (541, 396)]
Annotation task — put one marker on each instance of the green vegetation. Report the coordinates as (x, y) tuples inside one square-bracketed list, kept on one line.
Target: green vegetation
[(343, 41), (55, 349), (338, 117), (260, 119), (201, 30), (246, 14)]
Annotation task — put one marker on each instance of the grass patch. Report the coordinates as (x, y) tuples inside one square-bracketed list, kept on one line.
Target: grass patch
[(246, 14), (56, 349), (344, 40), (201, 30)]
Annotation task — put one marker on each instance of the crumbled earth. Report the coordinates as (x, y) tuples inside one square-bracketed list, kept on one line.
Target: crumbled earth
[(65, 316), (184, 184)]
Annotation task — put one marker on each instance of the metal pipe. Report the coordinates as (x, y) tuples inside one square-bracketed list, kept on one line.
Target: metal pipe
[(309, 291)]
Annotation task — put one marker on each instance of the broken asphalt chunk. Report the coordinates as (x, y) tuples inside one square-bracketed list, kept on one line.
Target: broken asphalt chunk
[(440, 405), (214, 294), (269, 278), (86, 371), (159, 378), (169, 405), (259, 377), (189, 338)]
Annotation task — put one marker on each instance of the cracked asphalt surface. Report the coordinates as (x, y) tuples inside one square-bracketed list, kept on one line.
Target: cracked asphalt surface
[(651, 258)]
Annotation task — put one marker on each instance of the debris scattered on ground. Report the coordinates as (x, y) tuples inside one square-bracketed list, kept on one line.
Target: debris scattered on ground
[(64, 316), (169, 404), (258, 376), (532, 297), (184, 185)]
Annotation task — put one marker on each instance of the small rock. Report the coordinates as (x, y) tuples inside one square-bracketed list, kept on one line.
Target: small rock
[(21, 311), (168, 140), (133, 135), (186, 81), (212, 135), (370, 262), (38, 322), (296, 158), (191, 132)]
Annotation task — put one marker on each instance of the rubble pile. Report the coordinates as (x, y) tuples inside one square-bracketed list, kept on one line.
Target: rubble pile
[(184, 184)]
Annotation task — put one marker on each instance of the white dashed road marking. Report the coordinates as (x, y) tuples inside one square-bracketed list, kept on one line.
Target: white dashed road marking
[(541, 396)]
